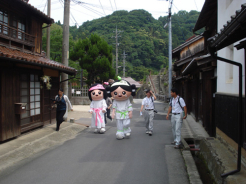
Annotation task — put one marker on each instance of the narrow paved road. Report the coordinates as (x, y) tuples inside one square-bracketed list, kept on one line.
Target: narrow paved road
[(101, 159)]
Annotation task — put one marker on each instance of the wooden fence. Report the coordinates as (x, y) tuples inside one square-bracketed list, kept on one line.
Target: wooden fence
[(77, 91)]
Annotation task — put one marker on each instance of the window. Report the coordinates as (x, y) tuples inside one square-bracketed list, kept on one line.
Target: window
[(34, 95), (4, 20), (18, 24), (30, 94), (21, 29)]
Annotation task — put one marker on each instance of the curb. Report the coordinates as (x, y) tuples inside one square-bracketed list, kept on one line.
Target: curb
[(30, 147), (192, 171), (186, 146)]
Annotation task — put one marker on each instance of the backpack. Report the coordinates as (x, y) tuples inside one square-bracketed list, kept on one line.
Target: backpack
[(155, 111), (178, 102)]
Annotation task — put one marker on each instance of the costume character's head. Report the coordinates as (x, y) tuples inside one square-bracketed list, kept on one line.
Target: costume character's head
[(97, 92), (121, 90)]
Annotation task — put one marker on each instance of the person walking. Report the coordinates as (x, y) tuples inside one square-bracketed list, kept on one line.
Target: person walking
[(148, 105), (177, 106), (62, 102), (109, 105)]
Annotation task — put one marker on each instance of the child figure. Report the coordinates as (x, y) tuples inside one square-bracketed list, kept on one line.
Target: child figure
[(97, 94), (122, 108)]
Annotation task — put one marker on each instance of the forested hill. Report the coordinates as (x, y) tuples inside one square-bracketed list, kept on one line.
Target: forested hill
[(144, 39)]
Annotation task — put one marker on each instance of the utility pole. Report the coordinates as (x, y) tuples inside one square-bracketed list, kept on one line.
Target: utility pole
[(124, 63), (170, 52), (48, 30), (116, 50), (65, 43)]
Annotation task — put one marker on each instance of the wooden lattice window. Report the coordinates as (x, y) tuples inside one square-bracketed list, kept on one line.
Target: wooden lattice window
[(30, 94), (4, 19)]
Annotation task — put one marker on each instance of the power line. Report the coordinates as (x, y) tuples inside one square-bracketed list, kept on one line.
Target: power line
[(115, 5), (86, 7), (196, 5), (83, 12), (45, 6), (116, 13), (175, 7), (92, 10), (102, 7), (111, 5), (75, 22)]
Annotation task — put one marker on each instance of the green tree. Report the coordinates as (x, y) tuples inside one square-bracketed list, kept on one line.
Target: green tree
[(144, 39), (56, 37), (95, 55)]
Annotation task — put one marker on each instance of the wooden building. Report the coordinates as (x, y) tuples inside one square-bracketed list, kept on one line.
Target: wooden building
[(24, 98), (229, 43), (196, 70)]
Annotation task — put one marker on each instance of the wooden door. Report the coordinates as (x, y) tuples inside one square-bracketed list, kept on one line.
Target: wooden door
[(200, 102), (194, 109), (208, 100), (9, 94), (49, 114), (30, 92)]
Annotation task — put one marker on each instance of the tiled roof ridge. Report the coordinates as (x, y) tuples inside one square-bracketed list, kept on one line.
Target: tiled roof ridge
[(187, 42), (28, 4), (228, 23)]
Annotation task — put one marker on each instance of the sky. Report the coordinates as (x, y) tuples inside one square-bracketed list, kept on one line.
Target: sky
[(94, 9)]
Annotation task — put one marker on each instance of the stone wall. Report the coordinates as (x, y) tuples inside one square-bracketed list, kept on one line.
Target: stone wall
[(80, 101)]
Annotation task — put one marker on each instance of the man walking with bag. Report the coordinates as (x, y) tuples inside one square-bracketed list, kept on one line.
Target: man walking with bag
[(179, 112), (148, 104)]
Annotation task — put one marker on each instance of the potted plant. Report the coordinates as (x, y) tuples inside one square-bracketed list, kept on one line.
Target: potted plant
[(46, 80)]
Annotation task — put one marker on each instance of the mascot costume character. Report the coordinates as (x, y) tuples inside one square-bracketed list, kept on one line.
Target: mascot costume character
[(121, 90), (97, 95)]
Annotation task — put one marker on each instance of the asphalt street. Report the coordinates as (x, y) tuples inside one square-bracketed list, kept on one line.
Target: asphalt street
[(102, 159)]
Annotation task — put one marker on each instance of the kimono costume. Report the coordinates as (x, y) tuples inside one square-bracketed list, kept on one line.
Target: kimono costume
[(97, 107), (122, 109)]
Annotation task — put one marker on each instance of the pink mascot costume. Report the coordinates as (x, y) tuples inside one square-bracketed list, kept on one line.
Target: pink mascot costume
[(97, 95)]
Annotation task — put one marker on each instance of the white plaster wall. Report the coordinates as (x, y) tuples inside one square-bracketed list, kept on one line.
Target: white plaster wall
[(227, 8)]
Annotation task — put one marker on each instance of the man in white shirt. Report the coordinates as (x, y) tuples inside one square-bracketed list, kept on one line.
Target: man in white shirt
[(177, 106), (148, 105)]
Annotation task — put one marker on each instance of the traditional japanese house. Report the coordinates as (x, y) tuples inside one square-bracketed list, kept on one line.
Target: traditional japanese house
[(229, 43), (24, 97), (196, 70)]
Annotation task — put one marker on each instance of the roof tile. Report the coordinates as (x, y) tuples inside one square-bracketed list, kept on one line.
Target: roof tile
[(32, 58)]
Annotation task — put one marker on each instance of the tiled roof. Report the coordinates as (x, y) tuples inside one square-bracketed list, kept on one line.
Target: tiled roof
[(236, 22), (208, 13), (34, 59), (47, 18)]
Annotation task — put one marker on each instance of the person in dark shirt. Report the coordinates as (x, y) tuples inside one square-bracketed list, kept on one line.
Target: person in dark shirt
[(62, 102)]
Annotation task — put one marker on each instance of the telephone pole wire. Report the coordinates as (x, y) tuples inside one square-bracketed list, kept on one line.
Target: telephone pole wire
[(124, 63), (48, 30), (65, 44)]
